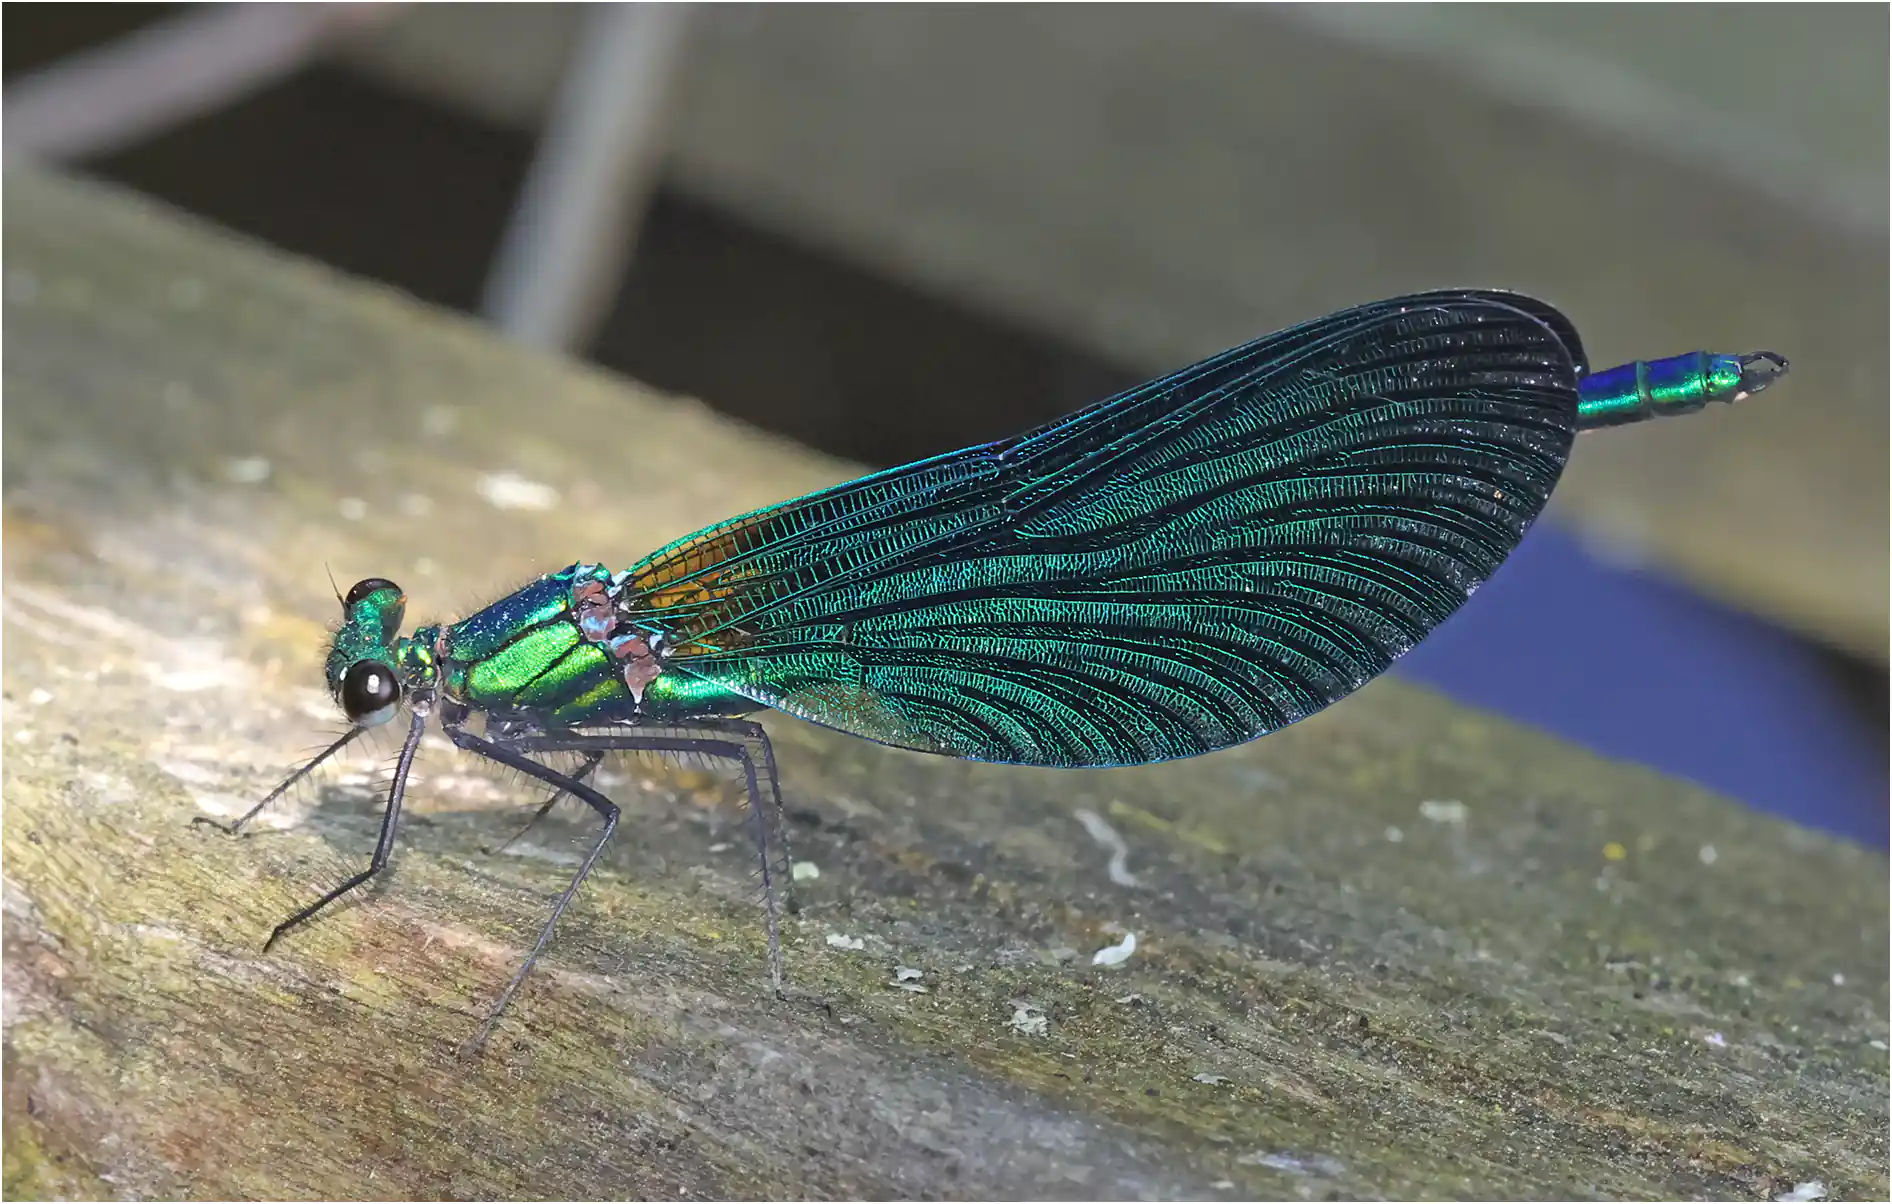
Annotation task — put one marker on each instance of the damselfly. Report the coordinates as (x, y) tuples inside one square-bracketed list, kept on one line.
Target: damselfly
[(1182, 567)]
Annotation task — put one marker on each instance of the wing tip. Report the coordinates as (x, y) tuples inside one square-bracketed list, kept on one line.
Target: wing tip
[(1539, 311)]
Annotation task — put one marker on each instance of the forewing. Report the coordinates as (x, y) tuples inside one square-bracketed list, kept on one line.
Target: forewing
[(1190, 564)]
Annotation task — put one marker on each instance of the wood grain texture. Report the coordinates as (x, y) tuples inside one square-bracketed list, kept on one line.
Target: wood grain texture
[(1402, 949)]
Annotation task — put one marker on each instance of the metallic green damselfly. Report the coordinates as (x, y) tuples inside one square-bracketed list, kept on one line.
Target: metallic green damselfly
[(1182, 567)]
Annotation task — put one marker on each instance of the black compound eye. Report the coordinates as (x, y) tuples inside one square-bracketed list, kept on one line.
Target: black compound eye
[(363, 588), (369, 692)]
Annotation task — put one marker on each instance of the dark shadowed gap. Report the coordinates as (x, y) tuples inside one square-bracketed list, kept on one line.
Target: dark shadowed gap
[(38, 34), (388, 186)]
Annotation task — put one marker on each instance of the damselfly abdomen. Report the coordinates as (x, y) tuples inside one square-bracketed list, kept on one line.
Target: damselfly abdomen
[(1188, 565)]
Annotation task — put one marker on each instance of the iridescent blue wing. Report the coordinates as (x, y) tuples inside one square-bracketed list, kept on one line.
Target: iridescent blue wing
[(1182, 567)]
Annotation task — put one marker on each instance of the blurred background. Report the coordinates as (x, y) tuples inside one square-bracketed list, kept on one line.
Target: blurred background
[(888, 231)]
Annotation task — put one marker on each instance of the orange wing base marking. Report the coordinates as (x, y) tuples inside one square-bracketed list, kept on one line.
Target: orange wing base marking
[(701, 581)]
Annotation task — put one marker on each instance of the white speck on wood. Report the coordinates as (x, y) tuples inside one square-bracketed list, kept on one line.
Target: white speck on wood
[(1444, 811), (247, 470), (1029, 1021), (190, 773), (1117, 954), (510, 491), (1317, 1165), (439, 421)]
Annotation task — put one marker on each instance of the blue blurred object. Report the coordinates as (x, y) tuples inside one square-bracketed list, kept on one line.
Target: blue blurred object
[(1673, 681)]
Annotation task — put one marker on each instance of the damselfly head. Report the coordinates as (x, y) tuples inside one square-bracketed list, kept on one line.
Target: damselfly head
[(361, 662)]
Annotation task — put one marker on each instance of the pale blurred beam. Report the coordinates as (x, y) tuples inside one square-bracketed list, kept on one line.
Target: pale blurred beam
[(572, 230), (1619, 97), (108, 97)]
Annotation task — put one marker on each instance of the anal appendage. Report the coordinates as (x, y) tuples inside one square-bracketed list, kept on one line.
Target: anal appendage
[(1680, 384)]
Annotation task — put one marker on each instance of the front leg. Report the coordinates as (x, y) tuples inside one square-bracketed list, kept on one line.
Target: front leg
[(390, 818)]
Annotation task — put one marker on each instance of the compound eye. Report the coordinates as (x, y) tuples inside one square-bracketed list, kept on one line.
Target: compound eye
[(363, 588), (369, 692)]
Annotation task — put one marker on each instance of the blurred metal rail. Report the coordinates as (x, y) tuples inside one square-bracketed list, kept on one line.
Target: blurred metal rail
[(571, 233), (106, 98)]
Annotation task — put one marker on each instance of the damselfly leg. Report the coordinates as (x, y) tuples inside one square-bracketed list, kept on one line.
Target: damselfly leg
[(731, 740), (584, 770), (756, 738), (390, 819), (565, 784), (236, 825)]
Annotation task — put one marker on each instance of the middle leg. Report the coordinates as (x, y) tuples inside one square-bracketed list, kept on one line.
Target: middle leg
[(711, 739)]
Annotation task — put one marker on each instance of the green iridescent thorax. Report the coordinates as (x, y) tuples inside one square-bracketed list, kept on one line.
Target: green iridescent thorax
[(559, 649), (542, 666), (370, 629), (414, 658)]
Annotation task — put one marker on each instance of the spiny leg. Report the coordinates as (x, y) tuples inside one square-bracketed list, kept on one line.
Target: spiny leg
[(758, 825), (757, 737), (756, 733), (592, 761), (712, 738), (236, 825), (383, 847), (565, 784)]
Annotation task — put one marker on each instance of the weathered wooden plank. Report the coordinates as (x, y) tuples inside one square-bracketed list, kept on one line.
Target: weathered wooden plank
[(1402, 949)]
